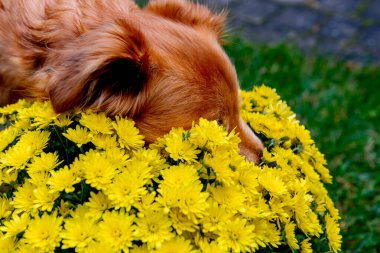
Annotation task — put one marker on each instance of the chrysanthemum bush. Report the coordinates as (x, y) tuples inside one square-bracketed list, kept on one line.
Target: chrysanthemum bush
[(83, 182)]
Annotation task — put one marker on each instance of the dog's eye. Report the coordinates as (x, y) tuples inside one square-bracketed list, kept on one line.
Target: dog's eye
[(220, 121)]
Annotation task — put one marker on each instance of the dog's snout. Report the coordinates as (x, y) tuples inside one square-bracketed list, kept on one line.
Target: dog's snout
[(250, 146)]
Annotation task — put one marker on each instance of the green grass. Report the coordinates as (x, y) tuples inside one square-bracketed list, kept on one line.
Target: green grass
[(339, 102)]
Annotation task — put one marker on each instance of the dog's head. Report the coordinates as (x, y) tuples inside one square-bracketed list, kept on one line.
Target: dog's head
[(163, 66)]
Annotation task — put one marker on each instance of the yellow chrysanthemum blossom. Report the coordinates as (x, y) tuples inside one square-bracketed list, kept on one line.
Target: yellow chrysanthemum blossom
[(7, 136), (332, 230), (98, 203), (290, 235), (98, 169), (207, 134), (216, 218), (236, 236), (17, 224), (41, 113), (177, 244), (23, 199), (154, 228), (78, 231), (7, 244), (62, 180), (45, 162), (97, 123), (79, 135), (43, 233), (180, 149), (126, 190), (116, 230), (87, 182), (44, 198), (129, 136), (63, 120), (5, 208), (212, 247), (306, 246)]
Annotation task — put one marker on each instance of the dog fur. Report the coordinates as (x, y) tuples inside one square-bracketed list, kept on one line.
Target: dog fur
[(162, 66)]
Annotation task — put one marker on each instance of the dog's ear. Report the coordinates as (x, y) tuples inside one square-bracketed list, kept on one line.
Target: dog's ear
[(189, 13), (112, 60)]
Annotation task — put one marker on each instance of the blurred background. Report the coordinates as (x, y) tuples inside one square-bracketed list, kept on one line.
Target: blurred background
[(323, 57)]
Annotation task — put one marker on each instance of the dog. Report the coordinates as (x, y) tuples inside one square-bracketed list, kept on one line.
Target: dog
[(163, 65)]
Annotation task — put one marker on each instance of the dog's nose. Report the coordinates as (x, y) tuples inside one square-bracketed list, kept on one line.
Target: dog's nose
[(250, 146)]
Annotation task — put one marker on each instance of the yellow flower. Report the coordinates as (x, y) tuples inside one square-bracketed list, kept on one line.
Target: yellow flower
[(23, 200), (177, 244), (290, 235), (229, 196), (97, 205), (44, 198), (97, 247), (63, 120), (103, 141), (147, 203), (62, 180), (139, 169), (96, 122), (247, 179), (5, 208), (181, 222), (178, 148), (306, 246), (153, 158), (79, 135), (7, 244), (265, 95), (180, 176), (212, 247), (221, 167), (17, 224), (78, 233), (132, 198), (272, 183), (129, 136), (30, 144), (22, 124), (126, 190), (16, 157), (280, 110), (117, 156), (207, 134), (12, 108), (8, 177), (265, 233), (36, 140), (332, 231), (116, 230), (46, 162), (258, 208), (216, 218), (181, 188), (42, 114), (43, 232), (193, 202), (154, 228), (98, 169), (236, 236), (38, 178), (7, 136)]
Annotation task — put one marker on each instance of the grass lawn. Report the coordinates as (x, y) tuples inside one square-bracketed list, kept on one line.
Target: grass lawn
[(340, 103)]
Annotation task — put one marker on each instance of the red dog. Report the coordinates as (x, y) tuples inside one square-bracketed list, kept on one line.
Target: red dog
[(162, 66)]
